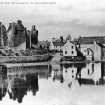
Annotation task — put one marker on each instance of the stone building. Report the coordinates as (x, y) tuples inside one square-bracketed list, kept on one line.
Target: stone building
[(3, 36), (16, 34), (19, 35), (93, 47), (34, 36)]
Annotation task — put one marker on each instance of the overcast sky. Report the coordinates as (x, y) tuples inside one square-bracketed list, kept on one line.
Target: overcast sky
[(75, 17)]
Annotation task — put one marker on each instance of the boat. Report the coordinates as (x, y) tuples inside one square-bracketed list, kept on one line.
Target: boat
[(24, 59)]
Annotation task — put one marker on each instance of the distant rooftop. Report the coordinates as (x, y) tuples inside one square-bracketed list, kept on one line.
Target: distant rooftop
[(90, 40), (58, 43)]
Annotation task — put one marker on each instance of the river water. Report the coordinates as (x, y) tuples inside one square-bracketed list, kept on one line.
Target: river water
[(55, 84)]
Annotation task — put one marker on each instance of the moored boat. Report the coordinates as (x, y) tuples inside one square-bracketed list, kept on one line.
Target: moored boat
[(24, 59)]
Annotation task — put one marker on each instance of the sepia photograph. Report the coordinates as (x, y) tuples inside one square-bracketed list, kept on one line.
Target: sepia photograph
[(52, 52)]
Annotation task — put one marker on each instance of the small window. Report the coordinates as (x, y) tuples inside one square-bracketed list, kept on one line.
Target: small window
[(72, 47), (72, 52), (65, 52)]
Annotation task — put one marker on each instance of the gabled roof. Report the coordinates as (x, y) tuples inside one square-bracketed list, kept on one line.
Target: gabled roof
[(58, 43), (101, 45), (90, 40), (69, 43), (74, 42)]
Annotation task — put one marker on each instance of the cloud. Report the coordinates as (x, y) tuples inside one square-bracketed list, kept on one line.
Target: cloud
[(83, 15), (90, 12)]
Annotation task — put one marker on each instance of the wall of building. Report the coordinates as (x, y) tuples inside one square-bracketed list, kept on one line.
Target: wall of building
[(97, 51), (69, 49), (84, 47), (51, 46), (103, 53)]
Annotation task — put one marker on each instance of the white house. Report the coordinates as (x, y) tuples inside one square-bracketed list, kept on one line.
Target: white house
[(71, 52), (69, 49)]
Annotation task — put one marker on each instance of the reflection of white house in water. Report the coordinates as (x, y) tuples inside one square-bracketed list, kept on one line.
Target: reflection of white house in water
[(65, 75), (69, 75), (92, 72)]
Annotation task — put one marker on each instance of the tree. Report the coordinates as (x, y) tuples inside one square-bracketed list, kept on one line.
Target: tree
[(68, 38), (61, 38)]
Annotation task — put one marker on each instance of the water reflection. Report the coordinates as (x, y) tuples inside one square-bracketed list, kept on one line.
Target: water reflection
[(92, 74), (67, 73), (3, 81), (18, 87), (57, 73), (17, 81), (49, 81), (85, 74)]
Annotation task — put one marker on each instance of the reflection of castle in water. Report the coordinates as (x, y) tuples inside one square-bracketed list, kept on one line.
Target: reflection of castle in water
[(3, 82), (18, 87), (18, 81)]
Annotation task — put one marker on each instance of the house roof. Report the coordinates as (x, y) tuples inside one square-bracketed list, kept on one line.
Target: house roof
[(58, 43), (74, 42), (90, 40), (101, 45)]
